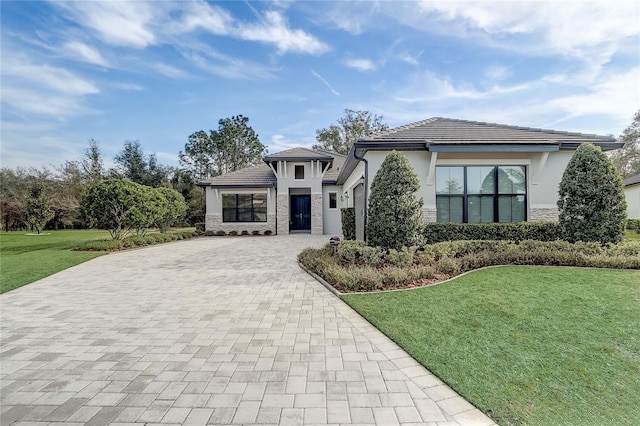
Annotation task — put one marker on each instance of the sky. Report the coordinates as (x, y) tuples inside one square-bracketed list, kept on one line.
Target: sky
[(159, 71)]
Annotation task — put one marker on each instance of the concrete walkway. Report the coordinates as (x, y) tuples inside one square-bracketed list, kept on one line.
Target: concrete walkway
[(207, 331)]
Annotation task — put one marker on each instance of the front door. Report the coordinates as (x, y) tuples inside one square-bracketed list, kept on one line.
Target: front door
[(300, 212)]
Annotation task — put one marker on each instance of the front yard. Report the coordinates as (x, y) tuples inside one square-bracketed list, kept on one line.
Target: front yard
[(525, 344)]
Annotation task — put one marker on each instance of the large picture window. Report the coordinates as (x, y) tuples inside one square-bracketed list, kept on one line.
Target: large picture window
[(477, 194), (244, 207)]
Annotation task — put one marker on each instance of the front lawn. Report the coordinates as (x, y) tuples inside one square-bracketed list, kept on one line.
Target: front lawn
[(526, 344), (25, 257)]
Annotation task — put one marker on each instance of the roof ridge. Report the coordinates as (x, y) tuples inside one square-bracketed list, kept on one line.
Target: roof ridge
[(328, 151), (404, 127), (508, 126)]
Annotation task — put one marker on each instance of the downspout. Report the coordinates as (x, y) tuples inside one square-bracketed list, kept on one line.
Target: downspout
[(366, 190)]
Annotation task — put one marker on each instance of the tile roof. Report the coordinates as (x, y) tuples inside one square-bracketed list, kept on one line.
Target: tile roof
[(633, 180), (298, 154), (440, 130), (253, 176), (261, 175)]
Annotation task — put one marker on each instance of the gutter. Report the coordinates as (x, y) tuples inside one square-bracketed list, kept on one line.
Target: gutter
[(366, 189)]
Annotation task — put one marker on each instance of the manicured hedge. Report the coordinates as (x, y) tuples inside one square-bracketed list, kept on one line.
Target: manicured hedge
[(517, 231), (348, 216), (633, 224)]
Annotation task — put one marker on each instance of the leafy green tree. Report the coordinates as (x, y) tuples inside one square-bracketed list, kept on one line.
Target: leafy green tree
[(39, 211), (140, 168), (627, 158), (355, 124), (591, 203), (395, 212), (235, 145), (14, 193), (172, 208), (114, 205), (92, 164), (200, 156)]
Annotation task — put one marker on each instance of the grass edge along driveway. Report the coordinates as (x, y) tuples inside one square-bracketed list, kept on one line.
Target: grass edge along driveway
[(525, 344), (25, 257)]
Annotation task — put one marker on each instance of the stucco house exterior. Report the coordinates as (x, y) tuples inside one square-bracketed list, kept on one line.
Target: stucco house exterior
[(632, 194), (469, 172)]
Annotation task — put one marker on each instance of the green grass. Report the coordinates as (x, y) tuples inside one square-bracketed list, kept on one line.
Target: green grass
[(26, 258), (526, 344), (631, 235)]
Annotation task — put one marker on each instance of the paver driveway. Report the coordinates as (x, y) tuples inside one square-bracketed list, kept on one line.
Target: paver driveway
[(213, 330)]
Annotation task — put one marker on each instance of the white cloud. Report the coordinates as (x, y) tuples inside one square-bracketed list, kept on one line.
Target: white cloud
[(43, 89), (118, 23), (326, 83), (169, 70), (83, 52), (275, 30), (590, 30), (142, 24), (360, 64), (127, 87), (497, 73)]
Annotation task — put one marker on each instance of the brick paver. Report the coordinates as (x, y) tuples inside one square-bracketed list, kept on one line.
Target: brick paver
[(207, 331)]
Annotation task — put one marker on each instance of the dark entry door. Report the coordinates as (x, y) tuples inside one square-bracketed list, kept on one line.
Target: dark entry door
[(300, 212)]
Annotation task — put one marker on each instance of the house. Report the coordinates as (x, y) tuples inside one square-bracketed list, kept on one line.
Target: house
[(632, 194), (469, 172)]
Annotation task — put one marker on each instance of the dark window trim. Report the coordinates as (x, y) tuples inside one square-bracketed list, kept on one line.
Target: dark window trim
[(496, 194), (295, 172), (336, 200), (238, 210)]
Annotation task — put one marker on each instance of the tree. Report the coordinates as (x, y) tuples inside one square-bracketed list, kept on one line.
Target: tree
[(591, 198), (114, 205), (172, 208), (140, 168), (14, 193), (234, 146), (627, 158), (395, 212), (38, 210), (354, 125), (92, 164), (200, 156)]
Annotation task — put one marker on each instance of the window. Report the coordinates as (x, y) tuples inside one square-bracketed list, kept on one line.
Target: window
[(333, 200), (299, 172), (244, 207), (478, 194)]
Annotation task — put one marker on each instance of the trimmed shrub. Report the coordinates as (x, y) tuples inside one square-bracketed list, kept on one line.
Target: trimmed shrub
[(357, 252), (591, 198), (233, 233), (268, 232), (516, 231), (255, 232), (244, 233), (348, 218), (395, 212), (200, 226), (219, 233), (633, 224)]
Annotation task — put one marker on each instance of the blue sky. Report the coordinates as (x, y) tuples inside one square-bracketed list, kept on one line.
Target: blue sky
[(158, 71)]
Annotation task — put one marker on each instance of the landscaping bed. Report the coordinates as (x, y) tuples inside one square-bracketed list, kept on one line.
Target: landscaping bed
[(356, 267)]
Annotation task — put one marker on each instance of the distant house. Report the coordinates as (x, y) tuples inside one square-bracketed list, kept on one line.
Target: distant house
[(632, 194), (469, 172)]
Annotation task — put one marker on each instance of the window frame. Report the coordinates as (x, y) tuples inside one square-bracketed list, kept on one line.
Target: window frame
[(335, 196), (297, 167), (239, 211), (495, 195)]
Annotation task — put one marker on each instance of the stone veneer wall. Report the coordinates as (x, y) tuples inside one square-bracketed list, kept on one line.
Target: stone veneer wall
[(316, 214), (537, 214), (282, 212), (214, 223), (429, 215)]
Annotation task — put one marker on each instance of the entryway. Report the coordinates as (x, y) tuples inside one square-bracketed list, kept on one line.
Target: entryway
[(300, 213)]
